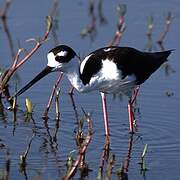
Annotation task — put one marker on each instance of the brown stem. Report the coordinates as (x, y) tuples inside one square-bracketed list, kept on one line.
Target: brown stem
[(8, 34), (82, 150), (110, 167), (128, 157), (119, 32), (168, 22), (74, 107), (8, 74), (104, 157), (45, 115)]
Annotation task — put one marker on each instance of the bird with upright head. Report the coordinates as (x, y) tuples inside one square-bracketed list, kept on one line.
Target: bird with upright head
[(109, 70)]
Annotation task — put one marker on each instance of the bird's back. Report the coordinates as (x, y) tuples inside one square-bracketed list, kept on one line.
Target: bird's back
[(142, 64), (128, 60)]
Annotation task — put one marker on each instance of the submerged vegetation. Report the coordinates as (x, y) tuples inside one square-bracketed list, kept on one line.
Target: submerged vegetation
[(76, 164)]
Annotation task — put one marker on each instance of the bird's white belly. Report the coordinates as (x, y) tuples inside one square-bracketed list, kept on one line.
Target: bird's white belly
[(109, 80), (114, 85), (118, 87)]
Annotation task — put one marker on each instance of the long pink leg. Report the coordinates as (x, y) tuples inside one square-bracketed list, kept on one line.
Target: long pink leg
[(131, 118), (105, 114), (130, 111)]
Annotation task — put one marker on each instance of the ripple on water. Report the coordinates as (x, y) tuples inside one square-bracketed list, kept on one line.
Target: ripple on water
[(159, 129)]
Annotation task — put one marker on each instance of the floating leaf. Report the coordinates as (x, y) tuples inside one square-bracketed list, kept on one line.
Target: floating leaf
[(110, 166), (84, 32), (144, 151), (29, 106), (49, 22), (150, 22), (14, 103), (57, 103), (121, 9), (1, 71), (99, 177)]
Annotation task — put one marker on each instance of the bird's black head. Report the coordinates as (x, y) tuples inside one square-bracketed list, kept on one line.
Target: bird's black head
[(58, 59), (60, 54)]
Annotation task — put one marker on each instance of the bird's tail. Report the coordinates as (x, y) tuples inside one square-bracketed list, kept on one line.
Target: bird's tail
[(163, 55)]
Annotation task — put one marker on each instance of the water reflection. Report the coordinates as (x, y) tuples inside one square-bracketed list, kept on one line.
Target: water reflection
[(150, 46), (3, 16), (54, 12), (90, 29), (55, 138)]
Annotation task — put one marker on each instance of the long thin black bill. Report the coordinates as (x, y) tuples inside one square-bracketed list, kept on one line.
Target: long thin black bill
[(43, 73)]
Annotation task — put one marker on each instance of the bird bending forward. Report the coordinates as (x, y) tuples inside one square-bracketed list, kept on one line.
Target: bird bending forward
[(110, 70)]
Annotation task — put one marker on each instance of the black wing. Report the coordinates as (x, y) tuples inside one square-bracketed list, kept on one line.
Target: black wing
[(128, 60)]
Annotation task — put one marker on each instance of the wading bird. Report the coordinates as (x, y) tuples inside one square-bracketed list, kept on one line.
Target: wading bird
[(110, 70)]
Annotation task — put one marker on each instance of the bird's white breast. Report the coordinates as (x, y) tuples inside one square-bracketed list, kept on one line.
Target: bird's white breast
[(109, 70), (107, 76), (109, 79)]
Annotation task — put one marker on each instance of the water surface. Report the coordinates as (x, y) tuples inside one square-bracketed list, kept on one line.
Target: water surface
[(158, 116)]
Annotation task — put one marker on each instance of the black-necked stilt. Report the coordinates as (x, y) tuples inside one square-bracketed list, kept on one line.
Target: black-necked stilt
[(115, 70)]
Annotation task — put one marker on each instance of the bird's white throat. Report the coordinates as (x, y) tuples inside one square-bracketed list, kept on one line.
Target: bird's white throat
[(71, 70)]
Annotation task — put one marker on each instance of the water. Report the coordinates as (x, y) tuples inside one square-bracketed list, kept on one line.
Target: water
[(158, 116)]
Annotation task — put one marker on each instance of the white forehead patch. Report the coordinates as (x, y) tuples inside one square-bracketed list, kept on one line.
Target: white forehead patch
[(62, 53), (51, 60), (84, 62)]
